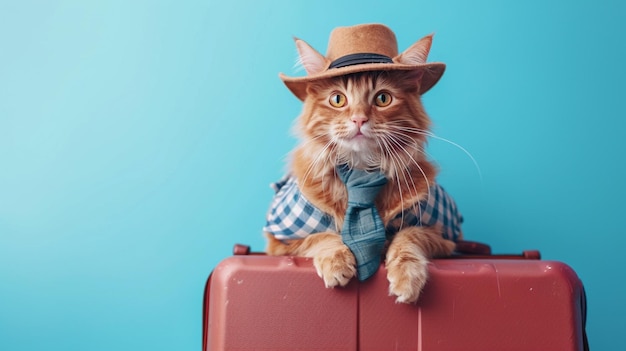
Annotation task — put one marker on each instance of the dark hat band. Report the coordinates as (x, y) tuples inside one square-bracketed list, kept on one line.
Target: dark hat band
[(359, 59)]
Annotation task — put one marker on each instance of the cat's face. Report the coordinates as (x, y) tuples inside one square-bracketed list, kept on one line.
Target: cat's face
[(369, 120)]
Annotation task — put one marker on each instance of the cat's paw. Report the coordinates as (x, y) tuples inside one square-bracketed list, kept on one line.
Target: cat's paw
[(407, 277), (335, 267)]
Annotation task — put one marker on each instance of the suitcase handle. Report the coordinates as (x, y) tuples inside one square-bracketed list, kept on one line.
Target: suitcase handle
[(241, 249), (474, 249), (464, 249)]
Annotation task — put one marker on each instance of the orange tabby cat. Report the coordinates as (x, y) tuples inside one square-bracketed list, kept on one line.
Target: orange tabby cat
[(373, 120)]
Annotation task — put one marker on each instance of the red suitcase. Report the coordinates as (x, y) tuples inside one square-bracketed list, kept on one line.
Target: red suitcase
[(475, 302)]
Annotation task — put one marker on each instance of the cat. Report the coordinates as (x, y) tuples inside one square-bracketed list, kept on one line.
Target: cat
[(372, 120)]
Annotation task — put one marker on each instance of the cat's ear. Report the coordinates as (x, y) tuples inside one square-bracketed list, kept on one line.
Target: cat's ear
[(312, 61), (416, 53)]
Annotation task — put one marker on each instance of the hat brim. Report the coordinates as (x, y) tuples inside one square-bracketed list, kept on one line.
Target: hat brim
[(432, 73)]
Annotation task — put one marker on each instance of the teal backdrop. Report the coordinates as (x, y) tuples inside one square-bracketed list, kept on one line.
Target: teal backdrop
[(138, 139)]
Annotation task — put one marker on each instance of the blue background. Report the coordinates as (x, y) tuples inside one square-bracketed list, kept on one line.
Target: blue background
[(138, 139)]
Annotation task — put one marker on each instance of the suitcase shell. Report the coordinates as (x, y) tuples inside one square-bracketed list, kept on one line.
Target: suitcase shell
[(258, 302)]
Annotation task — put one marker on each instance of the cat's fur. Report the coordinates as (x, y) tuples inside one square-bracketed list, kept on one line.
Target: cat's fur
[(367, 136)]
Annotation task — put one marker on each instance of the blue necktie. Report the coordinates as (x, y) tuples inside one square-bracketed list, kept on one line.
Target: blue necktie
[(363, 230)]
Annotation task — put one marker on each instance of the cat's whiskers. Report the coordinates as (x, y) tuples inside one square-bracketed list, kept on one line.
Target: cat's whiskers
[(430, 134), (394, 169), (410, 143), (393, 137), (323, 155), (402, 142), (417, 208), (395, 161)]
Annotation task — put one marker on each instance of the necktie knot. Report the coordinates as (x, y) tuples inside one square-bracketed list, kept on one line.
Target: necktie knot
[(362, 186)]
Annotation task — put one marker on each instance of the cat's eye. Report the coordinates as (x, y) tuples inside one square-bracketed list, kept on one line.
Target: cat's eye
[(383, 99), (337, 100)]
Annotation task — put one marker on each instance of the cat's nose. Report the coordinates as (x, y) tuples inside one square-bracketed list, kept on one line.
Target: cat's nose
[(359, 120)]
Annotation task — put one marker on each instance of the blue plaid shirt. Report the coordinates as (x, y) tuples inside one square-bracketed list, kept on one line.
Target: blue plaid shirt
[(292, 216)]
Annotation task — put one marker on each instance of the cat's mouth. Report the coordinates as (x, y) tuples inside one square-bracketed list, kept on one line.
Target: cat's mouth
[(359, 141), (356, 140), (361, 132), (359, 137)]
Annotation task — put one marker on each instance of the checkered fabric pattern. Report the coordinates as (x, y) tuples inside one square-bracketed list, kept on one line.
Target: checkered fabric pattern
[(292, 216)]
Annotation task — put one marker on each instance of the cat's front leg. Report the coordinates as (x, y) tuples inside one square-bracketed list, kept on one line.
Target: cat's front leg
[(407, 260), (333, 260)]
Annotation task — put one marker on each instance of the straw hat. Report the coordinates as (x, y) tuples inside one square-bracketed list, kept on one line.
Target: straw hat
[(361, 48)]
